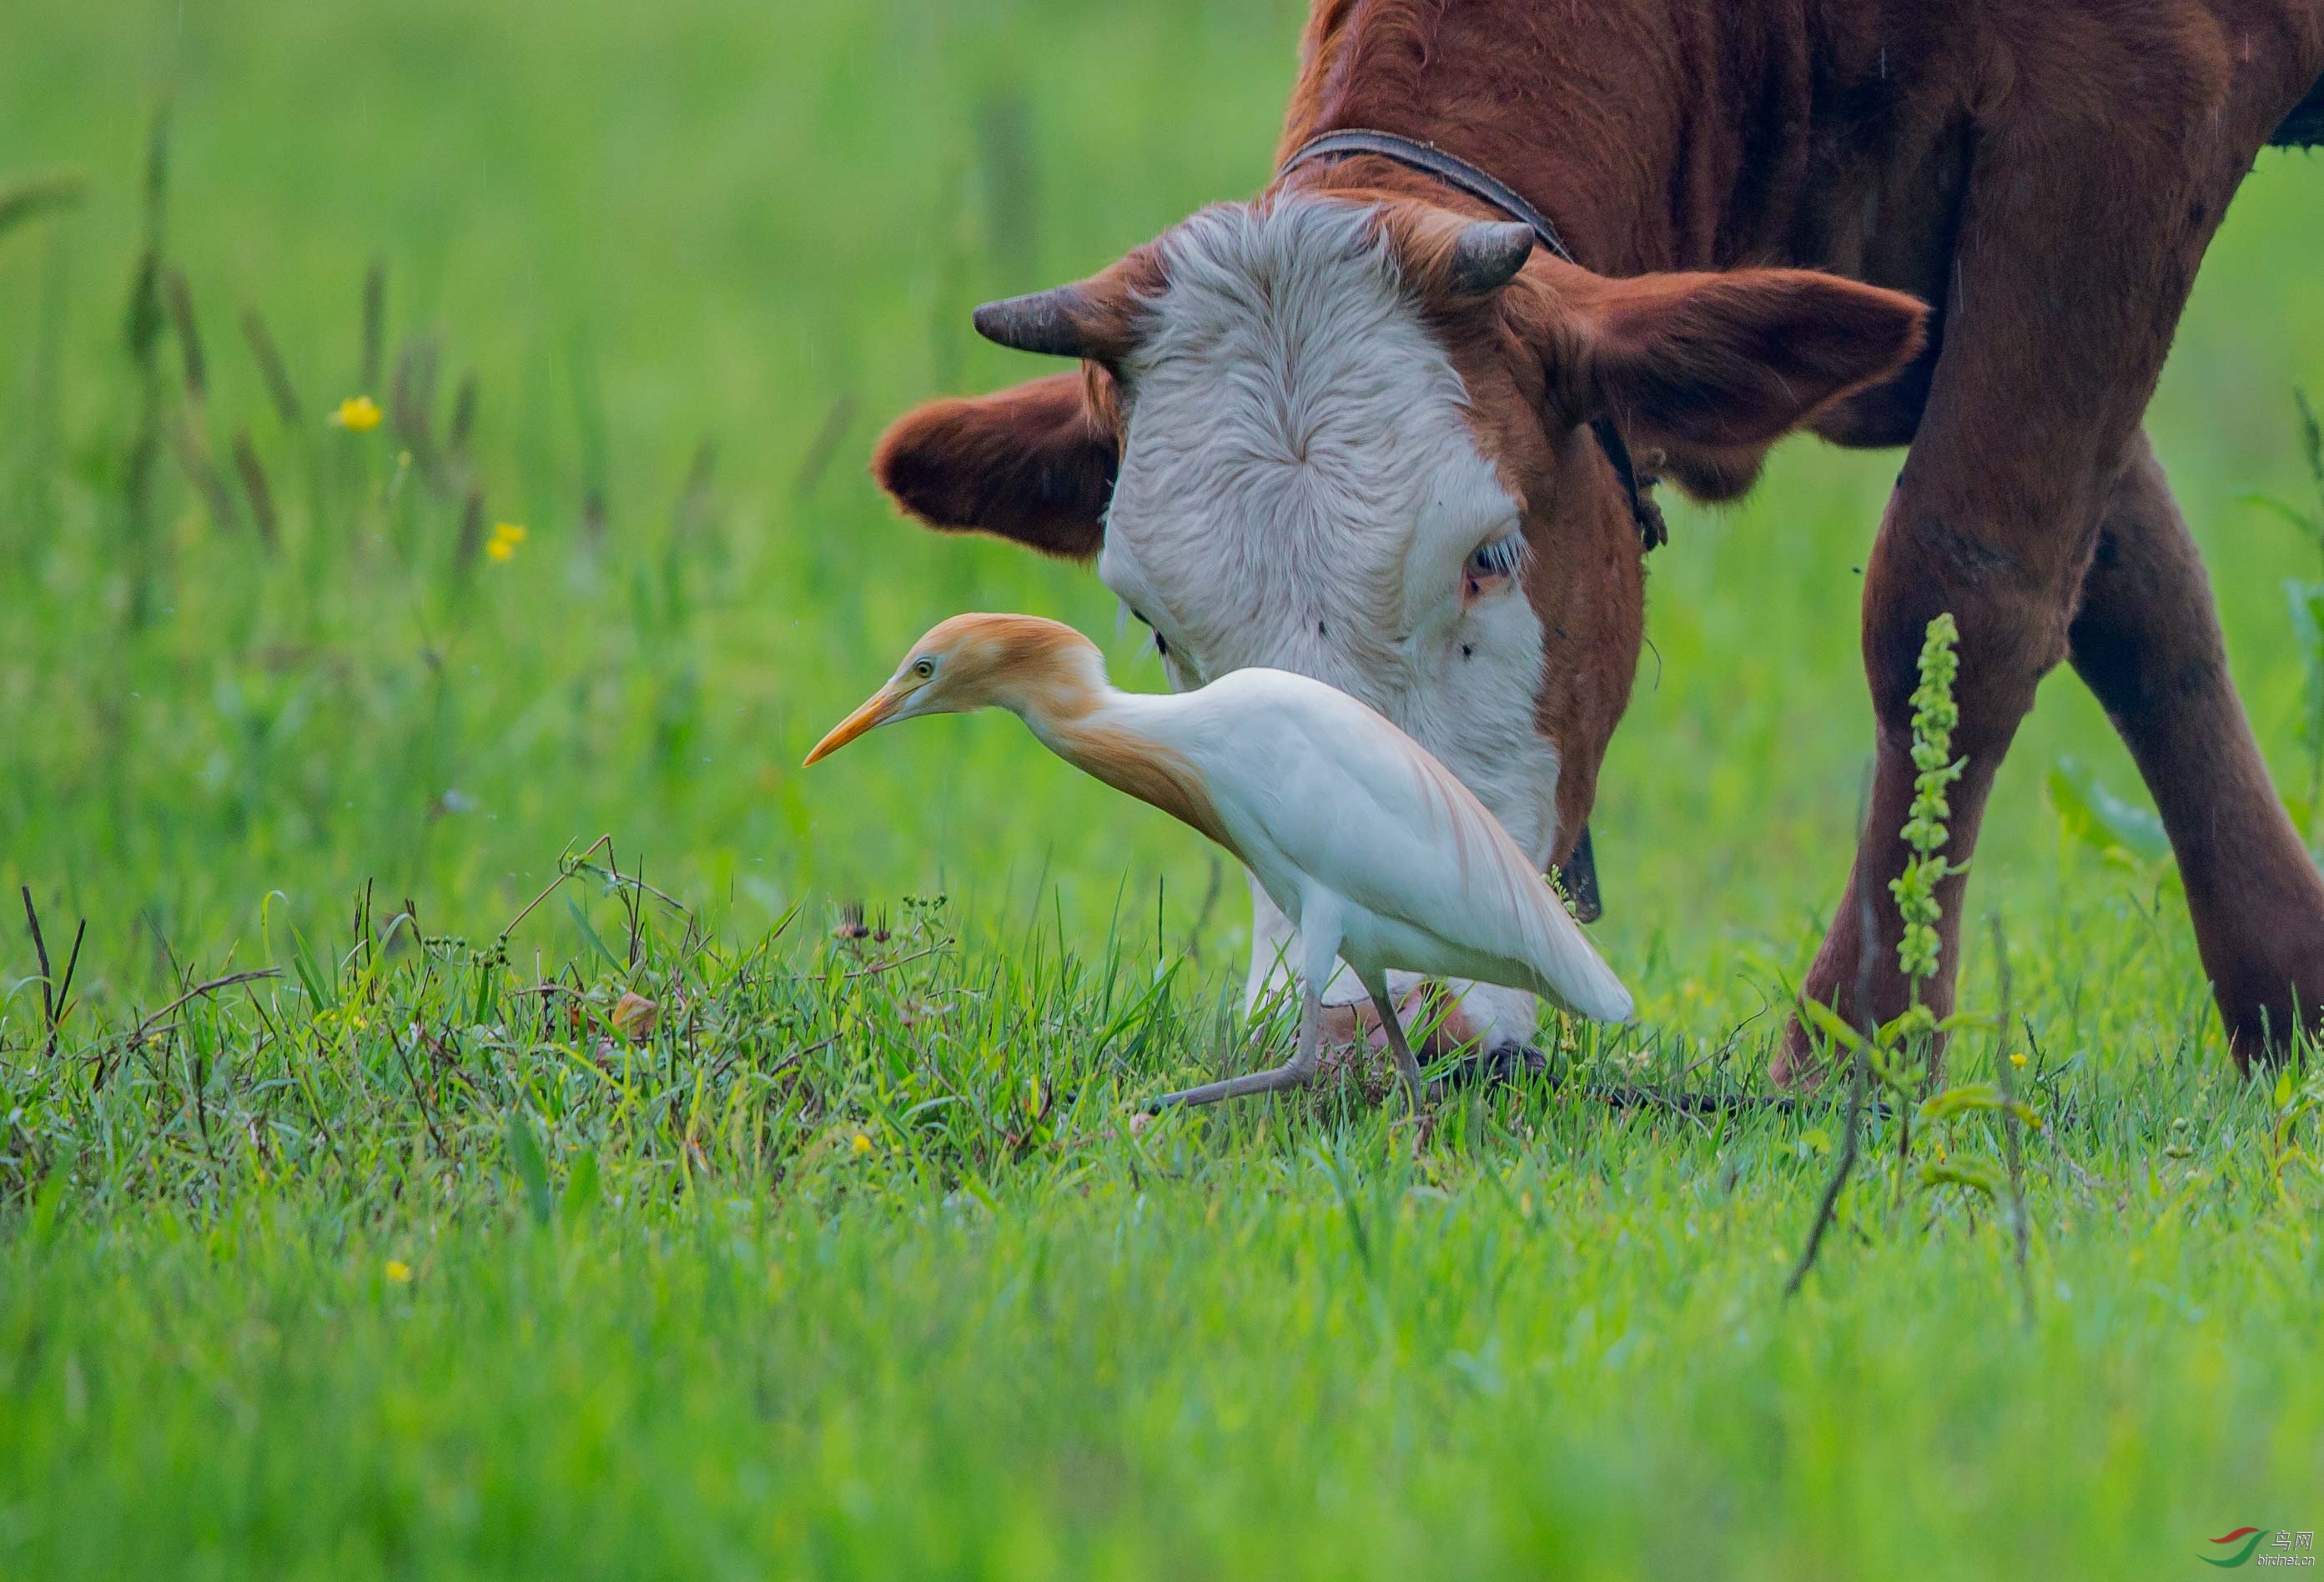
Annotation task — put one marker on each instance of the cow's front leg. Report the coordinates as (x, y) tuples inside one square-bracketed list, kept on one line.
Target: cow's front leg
[(2077, 244)]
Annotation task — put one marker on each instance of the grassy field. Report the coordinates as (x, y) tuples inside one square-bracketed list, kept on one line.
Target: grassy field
[(408, 1258)]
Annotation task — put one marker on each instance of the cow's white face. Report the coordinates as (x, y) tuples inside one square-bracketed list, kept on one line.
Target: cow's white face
[(1299, 487)]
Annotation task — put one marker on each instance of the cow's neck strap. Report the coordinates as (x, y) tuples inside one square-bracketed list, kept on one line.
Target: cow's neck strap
[(1429, 159), (1485, 188)]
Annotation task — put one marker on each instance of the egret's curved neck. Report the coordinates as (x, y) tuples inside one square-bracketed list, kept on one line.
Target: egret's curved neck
[(1052, 688), (1111, 735)]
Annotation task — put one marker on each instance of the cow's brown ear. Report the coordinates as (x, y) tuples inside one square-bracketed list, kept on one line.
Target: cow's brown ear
[(1033, 463), (1731, 360)]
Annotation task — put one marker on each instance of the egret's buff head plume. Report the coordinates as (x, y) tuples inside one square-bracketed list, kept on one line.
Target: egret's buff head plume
[(980, 661)]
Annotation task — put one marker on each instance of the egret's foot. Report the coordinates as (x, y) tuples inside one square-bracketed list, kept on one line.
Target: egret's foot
[(1291, 1073), (1294, 1072)]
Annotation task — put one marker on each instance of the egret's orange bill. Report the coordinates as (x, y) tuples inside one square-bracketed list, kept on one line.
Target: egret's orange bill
[(874, 711)]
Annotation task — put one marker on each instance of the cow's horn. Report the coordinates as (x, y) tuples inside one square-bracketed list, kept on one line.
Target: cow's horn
[(1487, 255), (1048, 322)]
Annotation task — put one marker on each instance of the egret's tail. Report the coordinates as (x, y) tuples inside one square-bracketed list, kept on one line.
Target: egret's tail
[(1573, 973)]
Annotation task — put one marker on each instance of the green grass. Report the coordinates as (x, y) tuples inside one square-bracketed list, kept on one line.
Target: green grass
[(663, 1315)]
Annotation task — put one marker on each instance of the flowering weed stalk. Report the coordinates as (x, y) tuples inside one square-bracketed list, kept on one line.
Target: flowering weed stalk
[(1887, 1052), (1935, 715), (1902, 1056)]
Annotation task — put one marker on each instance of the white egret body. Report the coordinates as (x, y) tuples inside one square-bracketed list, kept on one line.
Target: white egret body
[(1373, 849)]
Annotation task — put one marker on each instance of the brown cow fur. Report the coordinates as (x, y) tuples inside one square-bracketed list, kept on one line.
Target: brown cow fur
[(2046, 177)]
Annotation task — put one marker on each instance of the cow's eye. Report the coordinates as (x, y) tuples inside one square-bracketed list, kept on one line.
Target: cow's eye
[(1496, 557)]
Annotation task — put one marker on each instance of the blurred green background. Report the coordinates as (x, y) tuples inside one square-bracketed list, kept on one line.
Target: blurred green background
[(415, 1263), (694, 257)]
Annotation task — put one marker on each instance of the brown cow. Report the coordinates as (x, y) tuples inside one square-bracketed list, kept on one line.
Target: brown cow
[(1345, 428)]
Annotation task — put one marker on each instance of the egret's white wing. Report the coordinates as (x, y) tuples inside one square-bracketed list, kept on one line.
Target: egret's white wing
[(1353, 802)]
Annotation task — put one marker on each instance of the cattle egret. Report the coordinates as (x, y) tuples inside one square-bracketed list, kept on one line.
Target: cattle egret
[(1380, 856)]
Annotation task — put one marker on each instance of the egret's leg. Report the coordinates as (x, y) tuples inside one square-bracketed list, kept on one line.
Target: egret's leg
[(1406, 1062), (1294, 1072)]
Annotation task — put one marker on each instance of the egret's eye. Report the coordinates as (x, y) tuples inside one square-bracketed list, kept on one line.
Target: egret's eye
[(1497, 558), (923, 668)]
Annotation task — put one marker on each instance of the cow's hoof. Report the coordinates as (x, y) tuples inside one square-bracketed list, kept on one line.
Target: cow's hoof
[(1511, 1062)]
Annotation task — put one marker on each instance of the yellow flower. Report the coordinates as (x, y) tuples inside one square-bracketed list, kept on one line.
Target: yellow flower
[(862, 1145), (357, 414), (399, 1272), (506, 536), (2017, 1058)]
